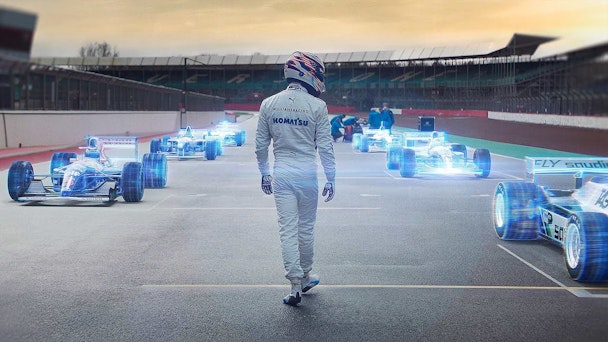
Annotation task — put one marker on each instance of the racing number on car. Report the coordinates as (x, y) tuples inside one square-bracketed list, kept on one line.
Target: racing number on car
[(552, 227), (559, 233)]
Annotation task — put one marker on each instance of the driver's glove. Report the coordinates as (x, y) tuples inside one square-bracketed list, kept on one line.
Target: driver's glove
[(267, 184), (329, 191)]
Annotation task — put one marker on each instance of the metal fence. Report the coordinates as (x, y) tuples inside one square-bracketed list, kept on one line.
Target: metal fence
[(27, 86)]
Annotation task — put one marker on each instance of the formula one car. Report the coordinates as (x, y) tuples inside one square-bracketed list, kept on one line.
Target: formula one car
[(574, 218), (230, 134), (372, 138), (187, 144), (103, 173), (429, 153)]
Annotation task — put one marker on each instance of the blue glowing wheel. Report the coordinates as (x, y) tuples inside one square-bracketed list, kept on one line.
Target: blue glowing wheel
[(364, 143), (20, 176), (481, 158), (132, 182), (357, 141), (211, 149), (239, 138), (407, 162), (516, 215), (586, 247), (155, 146), (393, 157), (155, 170)]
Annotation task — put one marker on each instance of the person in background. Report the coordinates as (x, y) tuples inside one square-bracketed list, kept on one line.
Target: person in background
[(337, 117), (374, 119), (387, 117), (349, 128), (350, 121), (296, 122), (337, 127)]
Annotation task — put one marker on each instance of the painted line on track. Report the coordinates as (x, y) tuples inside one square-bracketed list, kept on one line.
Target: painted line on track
[(580, 292), (263, 208), (506, 177), (380, 286)]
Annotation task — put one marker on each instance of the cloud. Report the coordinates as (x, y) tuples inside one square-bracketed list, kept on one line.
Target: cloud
[(182, 27)]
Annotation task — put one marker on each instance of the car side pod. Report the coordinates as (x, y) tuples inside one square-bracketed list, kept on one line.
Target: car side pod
[(515, 210), (586, 247)]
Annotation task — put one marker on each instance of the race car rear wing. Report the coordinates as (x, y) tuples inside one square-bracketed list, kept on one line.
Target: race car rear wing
[(578, 167), (192, 132), (424, 135), (128, 144), (411, 138)]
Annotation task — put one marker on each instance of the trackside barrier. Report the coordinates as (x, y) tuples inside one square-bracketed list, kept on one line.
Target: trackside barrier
[(50, 128)]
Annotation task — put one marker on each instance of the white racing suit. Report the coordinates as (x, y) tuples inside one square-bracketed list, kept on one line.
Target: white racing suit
[(297, 124)]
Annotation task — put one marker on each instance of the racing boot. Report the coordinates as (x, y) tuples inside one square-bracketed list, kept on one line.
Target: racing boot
[(309, 281), (294, 297)]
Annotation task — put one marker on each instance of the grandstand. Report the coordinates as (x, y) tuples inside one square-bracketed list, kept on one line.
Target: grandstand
[(507, 76)]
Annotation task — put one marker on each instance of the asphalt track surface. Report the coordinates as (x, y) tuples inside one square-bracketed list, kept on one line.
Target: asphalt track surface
[(399, 260)]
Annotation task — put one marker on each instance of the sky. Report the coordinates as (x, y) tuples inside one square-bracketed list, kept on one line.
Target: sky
[(155, 28)]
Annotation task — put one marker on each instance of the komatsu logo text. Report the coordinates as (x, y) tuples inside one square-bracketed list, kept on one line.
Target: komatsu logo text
[(290, 121)]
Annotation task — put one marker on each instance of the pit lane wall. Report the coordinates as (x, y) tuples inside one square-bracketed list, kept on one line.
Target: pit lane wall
[(44, 128), (578, 121), (593, 122)]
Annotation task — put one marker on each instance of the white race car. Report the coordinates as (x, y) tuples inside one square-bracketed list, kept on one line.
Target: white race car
[(108, 168), (374, 139), (229, 133), (188, 143), (429, 153), (575, 217)]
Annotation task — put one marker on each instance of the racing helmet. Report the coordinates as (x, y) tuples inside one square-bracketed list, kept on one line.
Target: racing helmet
[(308, 68), (93, 143)]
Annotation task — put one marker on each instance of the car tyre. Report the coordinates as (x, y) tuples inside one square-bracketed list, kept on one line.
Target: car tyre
[(211, 149), (407, 163), (393, 157), (482, 159), (586, 247), (155, 145), (132, 182), (364, 143), (155, 170), (515, 210), (20, 176), (357, 141)]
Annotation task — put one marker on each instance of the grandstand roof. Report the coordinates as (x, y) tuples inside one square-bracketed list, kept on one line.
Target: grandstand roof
[(516, 45)]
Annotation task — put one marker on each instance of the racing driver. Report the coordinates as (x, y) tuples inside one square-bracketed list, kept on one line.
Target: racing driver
[(296, 122)]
